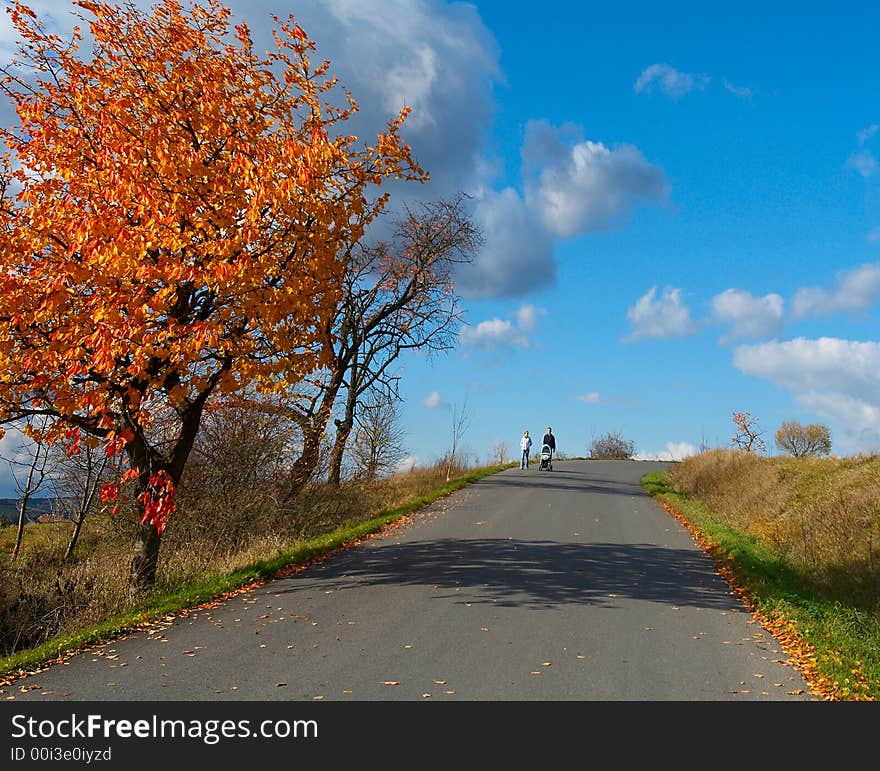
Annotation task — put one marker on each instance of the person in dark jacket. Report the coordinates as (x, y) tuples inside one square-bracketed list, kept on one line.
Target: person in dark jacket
[(549, 439)]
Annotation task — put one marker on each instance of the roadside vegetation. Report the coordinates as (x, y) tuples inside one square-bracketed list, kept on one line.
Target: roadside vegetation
[(800, 539)]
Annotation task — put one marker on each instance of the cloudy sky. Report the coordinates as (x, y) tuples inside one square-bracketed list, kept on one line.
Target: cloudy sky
[(680, 207)]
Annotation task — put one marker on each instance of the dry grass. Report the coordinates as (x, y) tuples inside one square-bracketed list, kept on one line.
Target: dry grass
[(820, 514), (217, 529)]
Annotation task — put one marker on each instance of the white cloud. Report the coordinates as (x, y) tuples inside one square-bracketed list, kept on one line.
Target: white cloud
[(670, 81), (527, 317), (432, 401), (492, 334), (837, 379), (590, 398), (517, 257), (672, 451), (865, 134), (854, 289), (740, 91), (407, 464), (582, 186), (502, 333), (748, 316), (859, 419), (663, 317), (863, 162)]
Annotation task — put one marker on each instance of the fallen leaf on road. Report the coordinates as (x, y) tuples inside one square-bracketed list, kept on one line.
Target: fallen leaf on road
[(346, 691), (391, 682), (546, 664), (280, 685), (777, 685), (757, 675), (484, 629), (426, 695), (317, 698), (449, 692), (407, 647), (535, 673), (581, 657), (798, 692), (439, 682)]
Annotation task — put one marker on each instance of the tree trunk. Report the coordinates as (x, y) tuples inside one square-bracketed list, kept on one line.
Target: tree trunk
[(22, 512), (71, 544), (145, 560), (343, 431), (303, 468), (344, 427)]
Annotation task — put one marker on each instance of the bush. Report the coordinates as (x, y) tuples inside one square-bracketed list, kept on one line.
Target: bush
[(612, 447)]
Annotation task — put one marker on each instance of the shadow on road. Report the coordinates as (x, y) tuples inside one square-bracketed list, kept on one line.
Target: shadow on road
[(532, 573), (563, 480)]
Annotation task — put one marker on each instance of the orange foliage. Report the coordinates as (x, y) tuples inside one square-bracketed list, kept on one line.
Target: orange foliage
[(179, 220)]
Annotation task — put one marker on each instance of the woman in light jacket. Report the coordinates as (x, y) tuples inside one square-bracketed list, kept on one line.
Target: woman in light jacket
[(525, 444)]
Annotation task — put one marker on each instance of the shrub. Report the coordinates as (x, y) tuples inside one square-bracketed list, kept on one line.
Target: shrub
[(612, 446)]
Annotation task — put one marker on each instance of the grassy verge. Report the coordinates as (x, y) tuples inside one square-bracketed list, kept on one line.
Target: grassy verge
[(836, 645), (159, 606)]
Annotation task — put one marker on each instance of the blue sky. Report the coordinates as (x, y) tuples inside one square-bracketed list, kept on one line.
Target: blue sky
[(681, 205)]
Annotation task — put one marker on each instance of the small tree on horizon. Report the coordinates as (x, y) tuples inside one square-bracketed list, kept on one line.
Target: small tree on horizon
[(800, 440), (612, 446), (748, 435)]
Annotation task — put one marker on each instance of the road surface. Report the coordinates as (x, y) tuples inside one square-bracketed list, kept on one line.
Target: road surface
[(527, 585)]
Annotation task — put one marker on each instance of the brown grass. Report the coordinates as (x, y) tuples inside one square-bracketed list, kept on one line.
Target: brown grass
[(821, 514)]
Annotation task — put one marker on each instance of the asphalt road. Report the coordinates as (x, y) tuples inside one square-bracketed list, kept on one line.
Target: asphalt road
[(528, 585)]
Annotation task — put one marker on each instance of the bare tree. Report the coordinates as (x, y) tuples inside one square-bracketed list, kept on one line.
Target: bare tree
[(397, 295), (460, 423), (30, 467), (378, 444), (704, 444), (748, 435), (500, 452), (77, 480), (799, 440)]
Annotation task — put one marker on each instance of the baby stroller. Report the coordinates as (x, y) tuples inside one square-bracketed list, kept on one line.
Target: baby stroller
[(546, 458)]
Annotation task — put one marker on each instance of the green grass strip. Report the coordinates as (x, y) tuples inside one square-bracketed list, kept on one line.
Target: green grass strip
[(157, 605), (845, 640)]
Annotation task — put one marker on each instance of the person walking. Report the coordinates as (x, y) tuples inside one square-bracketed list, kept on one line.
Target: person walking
[(549, 439), (525, 444)]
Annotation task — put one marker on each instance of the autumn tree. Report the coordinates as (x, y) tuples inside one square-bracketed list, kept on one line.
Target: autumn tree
[(397, 295), (748, 435), (181, 216), (800, 440)]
